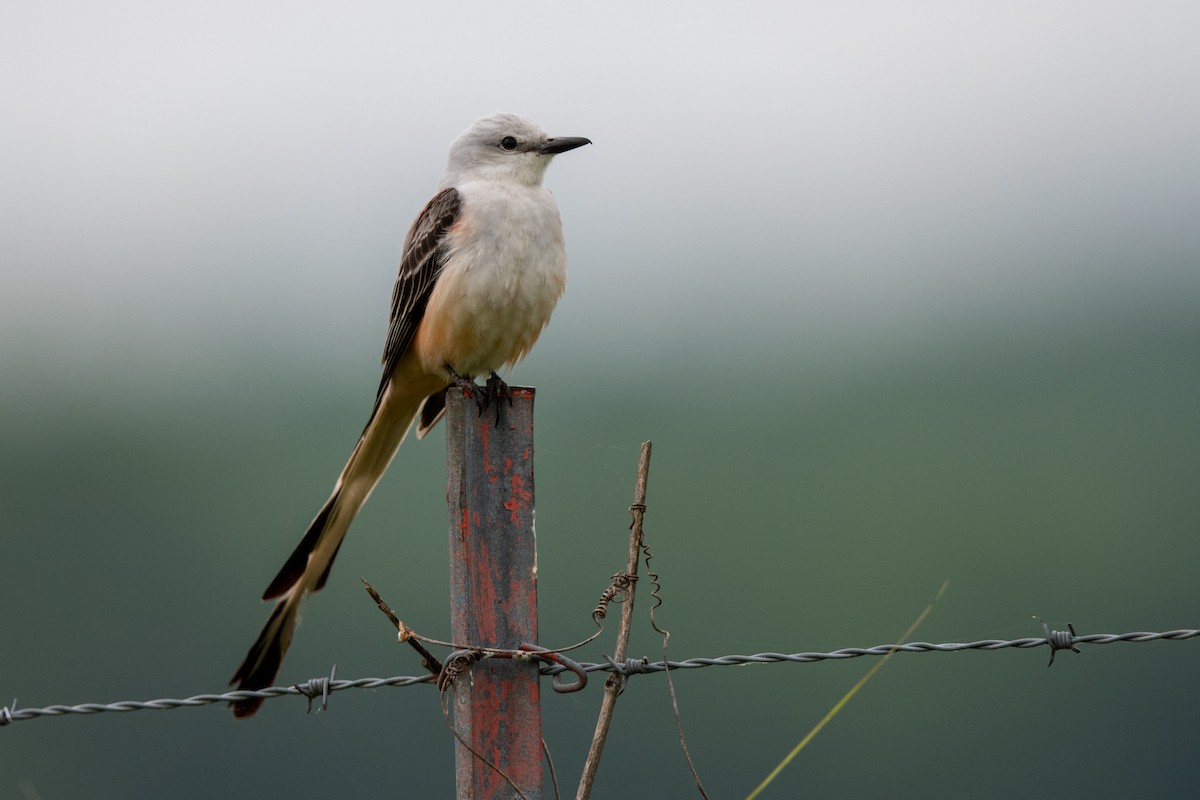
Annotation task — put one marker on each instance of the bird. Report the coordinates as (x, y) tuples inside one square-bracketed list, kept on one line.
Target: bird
[(481, 270)]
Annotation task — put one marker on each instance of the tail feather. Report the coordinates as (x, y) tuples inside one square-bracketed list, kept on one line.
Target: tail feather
[(328, 567), (307, 568), (293, 568), (263, 660)]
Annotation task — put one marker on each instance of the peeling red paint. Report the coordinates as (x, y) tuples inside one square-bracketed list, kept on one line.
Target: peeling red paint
[(520, 500), (494, 595)]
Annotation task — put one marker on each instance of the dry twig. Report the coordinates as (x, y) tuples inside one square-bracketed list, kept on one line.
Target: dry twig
[(616, 682)]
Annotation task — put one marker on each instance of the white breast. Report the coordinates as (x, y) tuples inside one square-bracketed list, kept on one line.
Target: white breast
[(506, 268)]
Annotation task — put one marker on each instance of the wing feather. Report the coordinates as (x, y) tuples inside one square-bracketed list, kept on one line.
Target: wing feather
[(420, 265)]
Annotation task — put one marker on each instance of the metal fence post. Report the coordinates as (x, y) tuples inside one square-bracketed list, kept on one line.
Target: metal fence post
[(493, 593)]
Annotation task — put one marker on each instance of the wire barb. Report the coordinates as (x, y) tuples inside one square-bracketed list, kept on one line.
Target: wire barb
[(6, 713), (630, 666), (317, 687), (1059, 640), (621, 670)]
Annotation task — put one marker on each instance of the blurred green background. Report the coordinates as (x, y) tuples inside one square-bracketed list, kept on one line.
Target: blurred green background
[(900, 293)]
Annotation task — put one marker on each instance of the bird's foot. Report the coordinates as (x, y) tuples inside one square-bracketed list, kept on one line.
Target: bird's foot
[(496, 390), (464, 382), (487, 396)]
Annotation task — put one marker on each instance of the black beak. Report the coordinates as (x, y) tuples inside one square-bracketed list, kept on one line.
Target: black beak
[(561, 144)]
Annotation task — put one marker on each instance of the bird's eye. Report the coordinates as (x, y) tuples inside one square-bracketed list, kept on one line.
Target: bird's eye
[(508, 143)]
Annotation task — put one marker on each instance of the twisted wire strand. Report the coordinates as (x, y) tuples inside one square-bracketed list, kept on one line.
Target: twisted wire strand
[(10, 714), (617, 590)]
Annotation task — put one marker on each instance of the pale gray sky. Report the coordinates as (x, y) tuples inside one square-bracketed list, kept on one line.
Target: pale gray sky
[(229, 168)]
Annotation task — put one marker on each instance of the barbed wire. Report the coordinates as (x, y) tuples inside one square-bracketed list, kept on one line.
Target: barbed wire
[(322, 687)]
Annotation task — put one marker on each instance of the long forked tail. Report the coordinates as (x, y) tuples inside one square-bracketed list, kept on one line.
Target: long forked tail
[(307, 569)]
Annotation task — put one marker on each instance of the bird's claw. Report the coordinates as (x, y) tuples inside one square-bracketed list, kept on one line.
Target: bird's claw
[(488, 395), (497, 390)]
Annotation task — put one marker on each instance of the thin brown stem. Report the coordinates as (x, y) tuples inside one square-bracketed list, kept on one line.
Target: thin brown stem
[(616, 682), (428, 660)]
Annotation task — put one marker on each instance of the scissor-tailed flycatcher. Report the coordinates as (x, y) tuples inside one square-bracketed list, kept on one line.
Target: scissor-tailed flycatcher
[(483, 266)]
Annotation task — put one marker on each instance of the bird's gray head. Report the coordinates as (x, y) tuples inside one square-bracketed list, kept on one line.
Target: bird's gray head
[(505, 147)]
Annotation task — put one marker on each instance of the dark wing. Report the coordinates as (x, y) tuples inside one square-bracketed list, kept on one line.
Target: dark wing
[(422, 262)]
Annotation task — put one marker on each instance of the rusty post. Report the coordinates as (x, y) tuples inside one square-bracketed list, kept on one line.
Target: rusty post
[(493, 594)]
